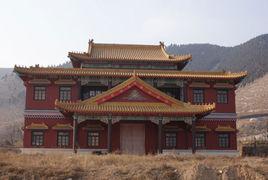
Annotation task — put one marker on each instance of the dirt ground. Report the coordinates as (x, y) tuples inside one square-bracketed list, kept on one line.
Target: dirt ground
[(60, 166)]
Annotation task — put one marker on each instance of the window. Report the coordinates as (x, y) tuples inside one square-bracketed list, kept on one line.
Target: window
[(91, 91), (222, 96), (37, 138), (39, 93), (93, 139), (198, 95), (171, 140), (200, 140), (173, 92), (65, 93), (63, 139), (223, 140)]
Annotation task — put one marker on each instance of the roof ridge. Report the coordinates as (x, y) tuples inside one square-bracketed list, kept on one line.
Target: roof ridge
[(122, 44)]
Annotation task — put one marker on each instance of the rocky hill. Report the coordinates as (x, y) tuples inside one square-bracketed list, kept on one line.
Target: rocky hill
[(252, 107), (253, 98), (12, 98), (251, 56)]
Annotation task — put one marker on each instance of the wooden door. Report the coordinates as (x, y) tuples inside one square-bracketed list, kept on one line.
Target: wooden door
[(132, 138)]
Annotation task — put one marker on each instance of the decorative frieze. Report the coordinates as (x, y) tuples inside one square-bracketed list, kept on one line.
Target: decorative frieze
[(39, 81), (225, 129), (169, 82), (231, 116), (94, 81), (223, 85), (93, 127), (202, 129), (115, 119), (199, 85), (172, 128), (37, 126), (44, 114), (60, 126), (65, 82)]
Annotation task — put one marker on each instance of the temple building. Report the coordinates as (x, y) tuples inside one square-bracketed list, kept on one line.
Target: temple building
[(133, 99)]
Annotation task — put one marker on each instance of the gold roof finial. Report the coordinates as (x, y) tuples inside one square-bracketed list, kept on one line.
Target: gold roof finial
[(162, 43), (134, 73), (90, 40)]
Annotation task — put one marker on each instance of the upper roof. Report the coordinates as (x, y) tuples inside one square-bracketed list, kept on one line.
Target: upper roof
[(134, 97), (122, 52), (126, 73)]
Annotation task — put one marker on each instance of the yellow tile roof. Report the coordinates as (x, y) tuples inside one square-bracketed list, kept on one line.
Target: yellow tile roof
[(122, 52), (60, 126), (126, 73), (166, 106), (37, 126), (225, 129), (202, 128)]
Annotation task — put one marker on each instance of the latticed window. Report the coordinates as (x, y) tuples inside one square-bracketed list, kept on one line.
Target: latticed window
[(93, 93), (65, 93), (173, 92), (223, 140), (222, 96), (93, 138), (171, 140), (37, 138), (200, 140), (198, 95), (63, 139), (39, 93)]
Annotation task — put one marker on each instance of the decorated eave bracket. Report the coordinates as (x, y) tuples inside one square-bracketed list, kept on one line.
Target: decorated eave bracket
[(115, 119)]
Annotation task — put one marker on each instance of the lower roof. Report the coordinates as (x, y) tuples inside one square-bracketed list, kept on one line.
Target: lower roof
[(163, 105), (126, 73)]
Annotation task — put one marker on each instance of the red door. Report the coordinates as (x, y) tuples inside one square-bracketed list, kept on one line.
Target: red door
[(132, 138)]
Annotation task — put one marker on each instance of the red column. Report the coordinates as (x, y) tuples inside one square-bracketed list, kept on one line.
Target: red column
[(193, 135), (160, 136)]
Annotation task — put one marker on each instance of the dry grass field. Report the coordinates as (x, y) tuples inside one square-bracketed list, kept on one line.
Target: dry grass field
[(60, 166)]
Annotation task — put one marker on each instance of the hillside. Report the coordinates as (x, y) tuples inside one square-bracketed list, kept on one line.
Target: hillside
[(251, 56), (252, 107), (4, 71), (12, 98), (253, 98)]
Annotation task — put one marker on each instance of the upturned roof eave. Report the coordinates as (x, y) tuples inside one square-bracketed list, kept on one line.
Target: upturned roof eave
[(85, 57), (126, 73), (102, 111)]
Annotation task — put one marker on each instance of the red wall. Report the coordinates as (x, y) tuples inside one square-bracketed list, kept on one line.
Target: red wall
[(151, 131), (212, 136), (52, 93), (82, 135), (210, 96), (184, 135), (50, 135)]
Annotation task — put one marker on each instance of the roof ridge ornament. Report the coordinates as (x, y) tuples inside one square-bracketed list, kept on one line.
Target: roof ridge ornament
[(134, 73), (90, 43), (90, 40)]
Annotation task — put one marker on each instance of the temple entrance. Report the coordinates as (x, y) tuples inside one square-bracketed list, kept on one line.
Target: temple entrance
[(132, 138)]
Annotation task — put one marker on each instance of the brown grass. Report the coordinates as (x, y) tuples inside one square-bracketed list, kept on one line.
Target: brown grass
[(81, 166)]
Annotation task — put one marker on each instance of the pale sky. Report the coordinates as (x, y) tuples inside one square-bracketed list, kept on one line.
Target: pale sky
[(44, 31)]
